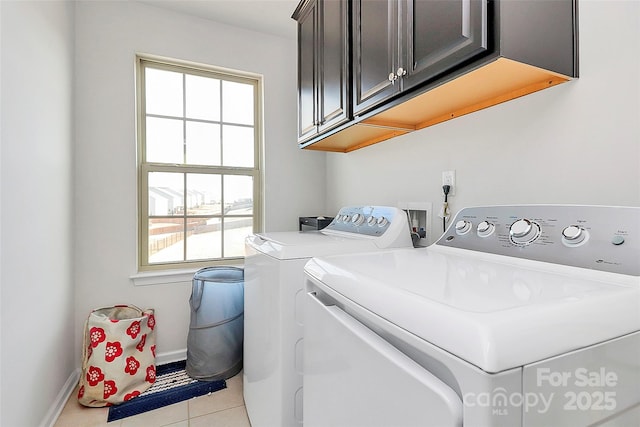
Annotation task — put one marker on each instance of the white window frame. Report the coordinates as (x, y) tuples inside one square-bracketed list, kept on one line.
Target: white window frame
[(144, 167)]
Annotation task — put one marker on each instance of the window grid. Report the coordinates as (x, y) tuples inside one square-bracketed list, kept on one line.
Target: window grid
[(224, 218)]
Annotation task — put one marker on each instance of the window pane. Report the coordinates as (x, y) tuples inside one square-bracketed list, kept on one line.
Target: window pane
[(203, 144), (204, 241), (204, 193), (238, 195), (237, 103), (235, 232), (203, 98), (165, 141), (166, 240), (166, 193), (163, 92), (237, 149)]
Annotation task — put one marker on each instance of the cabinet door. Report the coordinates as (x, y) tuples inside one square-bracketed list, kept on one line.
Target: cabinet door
[(307, 48), (375, 55), (333, 63), (440, 34)]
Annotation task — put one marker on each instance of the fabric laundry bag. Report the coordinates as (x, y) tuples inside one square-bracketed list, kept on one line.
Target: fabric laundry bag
[(119, 357)]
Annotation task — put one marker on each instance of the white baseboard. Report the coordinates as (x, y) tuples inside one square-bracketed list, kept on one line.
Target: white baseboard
[(61, 400), (171, 356), (64, 395)]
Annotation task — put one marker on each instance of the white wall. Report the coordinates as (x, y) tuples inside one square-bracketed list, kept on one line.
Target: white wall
[(575, 143), (38, 346), (109, 34)]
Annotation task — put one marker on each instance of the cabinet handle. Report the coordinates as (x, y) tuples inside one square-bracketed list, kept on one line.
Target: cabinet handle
[(401, 72), (392, 78)]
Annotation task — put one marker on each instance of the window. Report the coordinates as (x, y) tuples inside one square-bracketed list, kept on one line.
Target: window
[(199, 132)]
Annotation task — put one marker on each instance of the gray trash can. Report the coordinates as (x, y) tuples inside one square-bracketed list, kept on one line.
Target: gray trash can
[(216, 330)]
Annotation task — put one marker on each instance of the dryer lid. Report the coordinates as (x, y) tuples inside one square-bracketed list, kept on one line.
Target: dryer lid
[(494, 312)]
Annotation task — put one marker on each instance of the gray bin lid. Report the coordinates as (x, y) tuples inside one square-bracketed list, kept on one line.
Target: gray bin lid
[(220, 274)]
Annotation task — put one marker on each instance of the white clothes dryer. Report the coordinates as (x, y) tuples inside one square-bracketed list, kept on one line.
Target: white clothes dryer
[(274, 291), (517, 316)]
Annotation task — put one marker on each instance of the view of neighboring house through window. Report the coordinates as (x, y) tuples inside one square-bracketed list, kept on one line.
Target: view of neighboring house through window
[(199, 163)]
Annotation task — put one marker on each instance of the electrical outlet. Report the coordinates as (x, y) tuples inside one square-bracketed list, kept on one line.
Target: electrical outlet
[(449, 178)]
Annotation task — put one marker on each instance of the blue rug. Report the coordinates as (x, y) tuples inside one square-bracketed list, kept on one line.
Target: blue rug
[(172, 385)]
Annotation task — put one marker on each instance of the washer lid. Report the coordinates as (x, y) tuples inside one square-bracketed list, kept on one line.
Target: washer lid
[(354, 229), (491, 311), (295, 245)]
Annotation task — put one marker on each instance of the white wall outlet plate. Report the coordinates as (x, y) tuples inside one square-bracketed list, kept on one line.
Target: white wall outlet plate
[(449, 178)]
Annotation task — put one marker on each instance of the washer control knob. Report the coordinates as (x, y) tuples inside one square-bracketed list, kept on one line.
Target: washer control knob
[(357, 219), (346, 218), (574, 235), (382, 221), (371, 221), (523, 232), (463, 227), (485, 229)]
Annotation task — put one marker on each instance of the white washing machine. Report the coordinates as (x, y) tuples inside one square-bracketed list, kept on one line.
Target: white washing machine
[(516, 316), (274, 291)]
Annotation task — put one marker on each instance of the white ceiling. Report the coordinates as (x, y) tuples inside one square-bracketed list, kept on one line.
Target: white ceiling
[(268, 16)]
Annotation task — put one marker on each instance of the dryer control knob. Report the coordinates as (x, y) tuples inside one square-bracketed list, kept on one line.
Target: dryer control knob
[(485, 229), (520, 228), (371, 221), (463, 227), (574, 235), (617, 240), (523, 232)]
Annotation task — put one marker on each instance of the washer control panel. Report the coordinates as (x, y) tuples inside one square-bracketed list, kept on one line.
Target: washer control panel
[(367, 220), (597, 237)]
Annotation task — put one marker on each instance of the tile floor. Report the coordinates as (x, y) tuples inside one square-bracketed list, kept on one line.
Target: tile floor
[(224, 408)]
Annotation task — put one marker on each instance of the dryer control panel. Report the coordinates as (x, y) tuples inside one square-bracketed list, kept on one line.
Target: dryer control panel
[(605, 238)]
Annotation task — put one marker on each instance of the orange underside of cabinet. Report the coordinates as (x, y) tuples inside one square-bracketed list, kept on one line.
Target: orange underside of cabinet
[(492, 84)]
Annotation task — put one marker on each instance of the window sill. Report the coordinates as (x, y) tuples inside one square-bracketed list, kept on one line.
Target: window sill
[(163, 277)]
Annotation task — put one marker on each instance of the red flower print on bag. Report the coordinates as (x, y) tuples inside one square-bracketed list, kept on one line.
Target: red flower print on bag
[(81, 392), (113, 350), (94, 376), (151, 321), (132, 365), (153, 350), (134, 329), (110, 388), (140, 345), (151, 374), (131, 395), (97, 335)]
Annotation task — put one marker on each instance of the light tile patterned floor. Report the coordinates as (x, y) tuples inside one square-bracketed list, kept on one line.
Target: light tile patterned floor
[(224, 408)]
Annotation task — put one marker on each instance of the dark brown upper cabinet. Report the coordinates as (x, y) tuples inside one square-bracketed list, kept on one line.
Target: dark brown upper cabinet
[(411, 64), (399, 44), (323, 66)]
